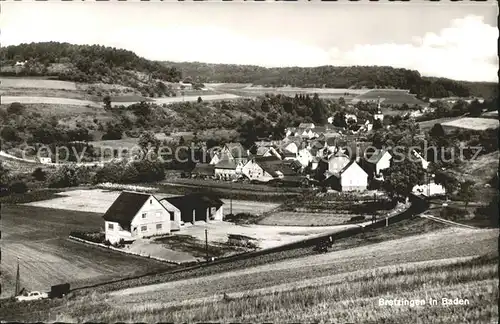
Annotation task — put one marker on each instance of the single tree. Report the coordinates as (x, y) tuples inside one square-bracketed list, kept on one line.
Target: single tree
[(107, 102), (466, 192), (377, 124), (401, 177), (437, 131), (200, 100)]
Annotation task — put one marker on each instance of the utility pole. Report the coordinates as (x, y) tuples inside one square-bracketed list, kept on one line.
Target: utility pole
[(206, 243), (386, 221), (231, 199), (18, 279)]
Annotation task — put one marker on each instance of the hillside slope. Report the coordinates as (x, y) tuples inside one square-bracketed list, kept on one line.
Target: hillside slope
[(85, 63)]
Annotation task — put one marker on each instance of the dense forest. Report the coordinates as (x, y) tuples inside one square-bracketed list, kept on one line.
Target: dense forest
[(82, 63), (336, 77)]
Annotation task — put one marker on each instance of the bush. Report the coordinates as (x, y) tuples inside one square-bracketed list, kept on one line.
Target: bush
[(39, 174), (15, 108), (453, 213), (96, 237), (18, 187), (357, 219)]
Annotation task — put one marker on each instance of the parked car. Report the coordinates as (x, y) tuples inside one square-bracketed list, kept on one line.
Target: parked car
[(34, 295)]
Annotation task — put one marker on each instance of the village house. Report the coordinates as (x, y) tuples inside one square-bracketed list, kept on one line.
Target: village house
[(133, 215), (227, 169), (203, 170), (350, 178), (264, 169), (291, 145), (193, 207), (304, 156), (266, 151), (377, 161), (236, 152)]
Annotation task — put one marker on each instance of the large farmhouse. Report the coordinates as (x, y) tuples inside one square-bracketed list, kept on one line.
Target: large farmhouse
[(134, 215)]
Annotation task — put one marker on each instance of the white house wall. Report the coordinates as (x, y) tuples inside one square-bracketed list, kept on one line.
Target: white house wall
[(115, 234), (354, 178), (156, 214), (383, 163), (175, 224)]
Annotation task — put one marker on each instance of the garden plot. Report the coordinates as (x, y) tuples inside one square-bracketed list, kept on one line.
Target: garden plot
[(289, 218)]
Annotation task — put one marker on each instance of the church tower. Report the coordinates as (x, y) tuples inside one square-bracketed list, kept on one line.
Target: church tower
[(379, 114)]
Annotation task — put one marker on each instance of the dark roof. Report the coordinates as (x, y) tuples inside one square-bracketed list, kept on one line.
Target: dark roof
[(271, 158), (193, 201), (273, 166), (204, 169), (125, 207), (287, 153)]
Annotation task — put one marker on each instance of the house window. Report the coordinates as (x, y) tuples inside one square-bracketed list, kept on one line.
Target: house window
[(150, 201), (158, 226), (172, 216), (144, 228), (110, 226), (143, 215)]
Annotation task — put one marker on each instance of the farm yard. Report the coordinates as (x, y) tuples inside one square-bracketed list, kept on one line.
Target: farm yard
[(389, 97), (39, 237), (344, 284), (472, 123)]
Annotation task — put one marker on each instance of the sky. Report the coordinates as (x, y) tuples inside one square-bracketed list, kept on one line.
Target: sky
[(452, 40)]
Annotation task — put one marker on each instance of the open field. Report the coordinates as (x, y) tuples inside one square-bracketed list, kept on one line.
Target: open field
[(289, 218), (224, 96), (425, 126), (98, 201), (36, 83), (472, 123), (389, 96), (49, 100), (38, 236), (343, 285), (249, 90), (92, 201)]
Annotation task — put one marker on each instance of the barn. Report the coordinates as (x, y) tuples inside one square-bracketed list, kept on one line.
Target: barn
[(196, 207)]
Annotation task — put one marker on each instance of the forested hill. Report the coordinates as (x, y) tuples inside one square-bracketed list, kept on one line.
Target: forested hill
[(82, 63), (334, 77)]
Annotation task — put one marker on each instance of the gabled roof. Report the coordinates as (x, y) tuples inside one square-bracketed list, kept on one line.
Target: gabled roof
[(226, 163), (125, 207), (237, 150), (193, 201), (273, 165)]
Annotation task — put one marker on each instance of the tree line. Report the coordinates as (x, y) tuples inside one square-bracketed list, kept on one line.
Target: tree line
[(336, 77)]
